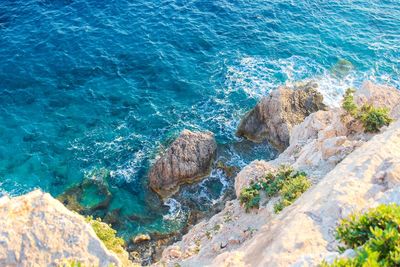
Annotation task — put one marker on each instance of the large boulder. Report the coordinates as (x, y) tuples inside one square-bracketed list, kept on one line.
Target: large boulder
[(188, 159), (275, 115), (37, 230)]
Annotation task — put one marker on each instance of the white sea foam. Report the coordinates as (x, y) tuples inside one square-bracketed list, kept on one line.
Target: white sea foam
[(257, 76), (175, 209)]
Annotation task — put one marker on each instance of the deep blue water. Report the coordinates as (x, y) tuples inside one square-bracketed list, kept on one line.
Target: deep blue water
[(89, 85)]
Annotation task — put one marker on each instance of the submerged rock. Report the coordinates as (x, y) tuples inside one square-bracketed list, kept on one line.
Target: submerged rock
[(275, 115), (188, 159), (37, 229), (73, 197)]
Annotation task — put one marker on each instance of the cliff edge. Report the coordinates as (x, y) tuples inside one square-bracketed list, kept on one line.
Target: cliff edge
[(37, 230), (350, 170)]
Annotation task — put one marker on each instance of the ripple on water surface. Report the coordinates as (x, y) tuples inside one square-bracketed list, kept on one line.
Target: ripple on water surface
[(93, 89)]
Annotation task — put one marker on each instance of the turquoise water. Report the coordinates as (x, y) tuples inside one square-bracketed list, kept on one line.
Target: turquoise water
[(102, 85)]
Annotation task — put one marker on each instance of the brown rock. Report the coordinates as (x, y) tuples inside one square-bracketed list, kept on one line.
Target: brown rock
[(188, 159), (141, 238), (275, 115)]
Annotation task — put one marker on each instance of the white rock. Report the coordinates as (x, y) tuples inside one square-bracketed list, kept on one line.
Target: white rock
[(37, 229)]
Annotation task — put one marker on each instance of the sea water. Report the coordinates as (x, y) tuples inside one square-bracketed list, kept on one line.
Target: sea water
[(93, 86)]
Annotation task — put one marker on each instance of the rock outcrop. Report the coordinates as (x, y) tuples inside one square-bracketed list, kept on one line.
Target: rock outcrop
[(380, 96), (275, 115), (37, 230), (188, 159), (349, 170), (303, 234)]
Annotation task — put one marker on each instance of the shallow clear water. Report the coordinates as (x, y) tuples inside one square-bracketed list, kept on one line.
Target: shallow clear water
[(87, 85)]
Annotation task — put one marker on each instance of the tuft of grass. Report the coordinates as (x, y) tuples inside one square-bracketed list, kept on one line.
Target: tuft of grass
[(372, 118), (285, 182), (374, 235), (348, 103), (109, 238), (291, 191)]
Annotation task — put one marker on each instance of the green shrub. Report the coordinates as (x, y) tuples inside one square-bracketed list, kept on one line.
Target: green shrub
[(250, 198), (371, 117), (70, 263), (348, 102), (108, 236), (273, 183), (291, 191), (374, 236), (356, 230), (374, 118)]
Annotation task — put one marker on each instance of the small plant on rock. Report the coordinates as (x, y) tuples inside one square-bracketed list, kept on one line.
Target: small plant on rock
[(291, 191), (108, 236), (285, 182), (374, 235), (348, 103), (250, 197), (372, 118)]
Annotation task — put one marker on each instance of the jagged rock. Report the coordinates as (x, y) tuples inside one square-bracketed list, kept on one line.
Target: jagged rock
[(350, 170), (37, 229), (141, 238), (188, 159), (306, 229), (275, 115)]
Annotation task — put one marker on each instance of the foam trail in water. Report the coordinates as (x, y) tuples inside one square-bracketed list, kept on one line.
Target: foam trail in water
[(257, 76), (175, 209)]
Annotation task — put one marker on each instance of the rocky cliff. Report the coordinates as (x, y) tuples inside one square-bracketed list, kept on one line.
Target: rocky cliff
[(350, 170), (37, 230)]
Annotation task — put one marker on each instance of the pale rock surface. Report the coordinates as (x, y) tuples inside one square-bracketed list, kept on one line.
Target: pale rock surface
[(251, 172), (37, 230), (187, 159), (275, 115), (381, 96), (349, 187), (321, 141)]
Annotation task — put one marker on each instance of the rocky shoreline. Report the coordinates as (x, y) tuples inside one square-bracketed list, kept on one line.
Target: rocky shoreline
[(326, 143), (317, 145)]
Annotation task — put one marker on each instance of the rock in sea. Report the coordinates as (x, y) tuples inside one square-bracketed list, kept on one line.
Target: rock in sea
[(275, 115), (187, 160)]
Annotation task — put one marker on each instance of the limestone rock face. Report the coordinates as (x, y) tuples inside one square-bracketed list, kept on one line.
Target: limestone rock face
[(37, 230), (303, 235), (187, 160), (321, 141), (380, 96), (275, 115)]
